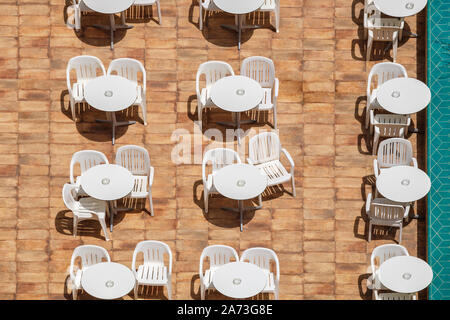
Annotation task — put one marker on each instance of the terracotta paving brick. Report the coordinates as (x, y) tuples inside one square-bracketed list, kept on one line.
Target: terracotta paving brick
[(319, 236)]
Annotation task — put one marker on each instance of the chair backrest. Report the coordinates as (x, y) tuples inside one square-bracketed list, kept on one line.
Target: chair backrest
[(90, 255), (262, 258), (260, 69), (384, 71), (213, 71), (68, 191), (387, 210), (153, 251), (86, 68), (86, 159), (218, 255), (219, 158), (384, 252), (394, 152), (135, 158), (129, 69), (264, 147), (391, 125)]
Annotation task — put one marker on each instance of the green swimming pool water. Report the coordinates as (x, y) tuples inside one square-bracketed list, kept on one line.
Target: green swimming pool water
[(438, 146)]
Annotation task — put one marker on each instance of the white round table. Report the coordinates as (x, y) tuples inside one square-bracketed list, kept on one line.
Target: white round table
[(403, 95), (110, 94), (405, 274), (107, 280), (403, 183), (400, 8), (108, 182), (236, 94), (239, 8), (239, 280), (240, 182), (110, 7)]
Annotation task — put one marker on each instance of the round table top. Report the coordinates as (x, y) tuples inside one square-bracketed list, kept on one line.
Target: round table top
[(405, 274), (240, 181), (107, 182), (108, 6), (403, 95), (400, 8), (403, 183), (239, 280), (236, 93), (107, 280), (239, 6), (110, 93)]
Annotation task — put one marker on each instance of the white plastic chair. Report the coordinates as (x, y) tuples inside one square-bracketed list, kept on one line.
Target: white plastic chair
[(86, 68), (219, 158), (86, 159), (382, 29), (379, 255), (145, 3), (264, 152), (153, 271), (137, 160), (387, 126), (262, 258), (384, 212), (218, 256), (272, 6), (85, 209), (262, 70), (379, 74), (89, 255), (205, 5), (393, 152), (79, 8), (130, 69), (213, 71)]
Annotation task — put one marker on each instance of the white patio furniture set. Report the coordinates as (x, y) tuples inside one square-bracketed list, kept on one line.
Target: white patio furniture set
[(92, 271), (239, 278), (235, 180), (114, 90), (95, 192), (396, 275), (384, 21), (111, 8)]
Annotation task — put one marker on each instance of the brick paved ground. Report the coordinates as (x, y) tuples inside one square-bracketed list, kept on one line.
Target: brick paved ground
[(319, 236)]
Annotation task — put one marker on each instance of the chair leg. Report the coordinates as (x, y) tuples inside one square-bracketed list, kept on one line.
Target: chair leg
[(72, 108), (394, 48), (376, 138), (74, 293), (75, 225), (260, 200), (144, 110), (136, 287), (150, 201), (159, 12), (169, 291), (369, 48), (277, 20), (274, 110), (200, 111), (293, 186), (367, 114), (200, 18), (205, 197), (276, 294), (105, 231), (400, 234), (202, 292), (370, 231)]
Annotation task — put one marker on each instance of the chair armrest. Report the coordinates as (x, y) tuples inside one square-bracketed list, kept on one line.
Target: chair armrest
[(151, 176), (368, 202), (414, 161), (249, 161), (376, 169), (288, 156), (406, 211)]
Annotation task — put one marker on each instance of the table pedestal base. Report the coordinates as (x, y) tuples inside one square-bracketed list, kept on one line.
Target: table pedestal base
[(238, 28), (241, 210), (114, 123), (113, 27), (236, 124)]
